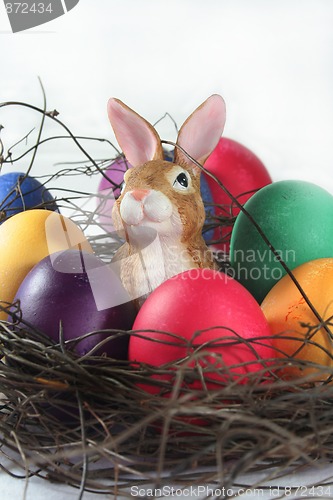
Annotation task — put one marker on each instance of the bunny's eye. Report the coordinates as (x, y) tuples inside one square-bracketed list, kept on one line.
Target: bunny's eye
[(181, 181)]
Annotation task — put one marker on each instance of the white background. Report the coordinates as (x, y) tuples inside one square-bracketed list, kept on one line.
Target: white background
[(272, 60)]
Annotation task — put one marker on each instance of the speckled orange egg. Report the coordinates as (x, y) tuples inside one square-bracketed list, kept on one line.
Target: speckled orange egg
[(28, 237), (299, 334)]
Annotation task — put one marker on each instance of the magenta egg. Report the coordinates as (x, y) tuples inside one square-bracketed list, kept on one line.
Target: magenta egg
[(76, 292), (108, 191), (203, 309), (242, 173), (114, 176)]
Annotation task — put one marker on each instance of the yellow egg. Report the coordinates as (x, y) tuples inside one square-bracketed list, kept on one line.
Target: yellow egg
[(300, 334), (28, 237)]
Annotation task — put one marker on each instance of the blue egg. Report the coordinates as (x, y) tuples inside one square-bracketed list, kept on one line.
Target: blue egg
[(206, 197), (19, 192), (168, 155)]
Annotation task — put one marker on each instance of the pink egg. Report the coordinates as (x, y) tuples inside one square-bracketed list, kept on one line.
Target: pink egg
[(109, 189), (114, 176), (202, 309), (242, 173)]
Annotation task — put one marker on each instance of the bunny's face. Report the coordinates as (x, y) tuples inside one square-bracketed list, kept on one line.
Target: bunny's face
[(162, 196)]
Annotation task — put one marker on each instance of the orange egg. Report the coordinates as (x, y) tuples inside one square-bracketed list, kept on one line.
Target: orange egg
[(299, 335), (28, 237)]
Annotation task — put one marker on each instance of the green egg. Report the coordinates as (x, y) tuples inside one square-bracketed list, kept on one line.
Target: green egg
[(297, 219)]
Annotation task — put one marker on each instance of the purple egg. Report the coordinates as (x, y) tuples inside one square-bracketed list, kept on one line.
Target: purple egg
[(114, 176), (109, 190), (78, 291)]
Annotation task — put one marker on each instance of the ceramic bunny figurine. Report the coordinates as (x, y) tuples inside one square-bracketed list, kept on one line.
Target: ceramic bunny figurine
[(160, 208)]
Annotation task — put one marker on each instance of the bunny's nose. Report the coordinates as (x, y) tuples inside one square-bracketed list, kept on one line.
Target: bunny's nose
[(139, 194)]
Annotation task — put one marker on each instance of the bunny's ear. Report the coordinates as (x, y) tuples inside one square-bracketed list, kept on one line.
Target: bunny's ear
[(202, 130), (138, 139)]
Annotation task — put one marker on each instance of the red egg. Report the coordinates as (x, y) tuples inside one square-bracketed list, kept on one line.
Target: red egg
[(202, 310), (242, 173)]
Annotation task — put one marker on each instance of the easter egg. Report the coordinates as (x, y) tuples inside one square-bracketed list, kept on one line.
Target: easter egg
[(114, 176), (109, 190), (80, 293), (20, 192), (298, 335), (297, 219), (202, 310), (206, 195), (242, 173), (28, 237)]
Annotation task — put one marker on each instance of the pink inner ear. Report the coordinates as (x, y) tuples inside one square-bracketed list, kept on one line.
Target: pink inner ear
[(202, 130), (136, 137)]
